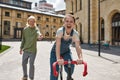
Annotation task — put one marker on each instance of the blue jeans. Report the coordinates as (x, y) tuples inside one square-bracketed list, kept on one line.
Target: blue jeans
[(66, 56)]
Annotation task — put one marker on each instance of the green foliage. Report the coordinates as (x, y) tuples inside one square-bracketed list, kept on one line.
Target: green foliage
[(3, 48)]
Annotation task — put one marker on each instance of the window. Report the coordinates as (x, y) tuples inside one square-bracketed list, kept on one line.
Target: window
[(47, 19), (38, 18), (113, 24), (18, 15), (47, 26), (61, 21), (76, 5), (54, 26), (28, 15), (116, 29), (38, 25), (72, 5), (102, 30), (18, 24), (116, 23), (7, 14), (80, 4), (102, 24), (54, 20), (15, 2), (119, 23), (28, 6), (54, 33), (47, 34), (5, 1), (6, 27)]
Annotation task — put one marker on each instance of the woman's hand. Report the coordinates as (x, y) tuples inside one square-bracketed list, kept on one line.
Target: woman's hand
[(40, 37), (79, 61), (20, 51), (60, 61)]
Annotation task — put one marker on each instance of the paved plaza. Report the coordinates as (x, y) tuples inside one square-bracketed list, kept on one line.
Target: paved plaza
[(104, 67)]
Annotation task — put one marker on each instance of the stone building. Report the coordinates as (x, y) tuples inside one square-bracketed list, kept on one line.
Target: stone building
[(14, 14), (61, 12), (96, 20), (44, 6)]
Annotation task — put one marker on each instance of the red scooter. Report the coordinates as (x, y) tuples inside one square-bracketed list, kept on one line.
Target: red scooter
[(55, 73)]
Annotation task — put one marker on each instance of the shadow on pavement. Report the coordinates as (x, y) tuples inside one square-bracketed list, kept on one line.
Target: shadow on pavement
[(111, 50), (115, 62)]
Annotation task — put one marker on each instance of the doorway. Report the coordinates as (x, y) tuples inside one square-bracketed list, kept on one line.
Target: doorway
[(6, 28)]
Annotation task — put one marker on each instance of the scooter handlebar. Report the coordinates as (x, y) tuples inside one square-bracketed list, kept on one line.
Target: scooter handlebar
[(55, 73)]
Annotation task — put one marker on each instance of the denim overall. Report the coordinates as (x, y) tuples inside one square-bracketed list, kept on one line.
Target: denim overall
[(65, 53)]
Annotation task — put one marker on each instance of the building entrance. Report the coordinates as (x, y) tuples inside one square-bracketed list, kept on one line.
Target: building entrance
[(6, 28), (116, 29), (18, 33)]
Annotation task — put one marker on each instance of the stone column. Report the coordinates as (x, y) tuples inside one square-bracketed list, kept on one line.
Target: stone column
[(94, 21)]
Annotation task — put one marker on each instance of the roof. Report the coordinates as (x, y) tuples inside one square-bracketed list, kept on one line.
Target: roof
[(29, 10), (27, 1)]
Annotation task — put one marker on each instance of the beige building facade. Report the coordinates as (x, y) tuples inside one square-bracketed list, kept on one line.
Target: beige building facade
[(13, 19), (94, 17)]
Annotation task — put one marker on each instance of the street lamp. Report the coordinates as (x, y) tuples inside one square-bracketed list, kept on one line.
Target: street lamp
[(1, 32), (99, 28), (88, 21), (51, 33)]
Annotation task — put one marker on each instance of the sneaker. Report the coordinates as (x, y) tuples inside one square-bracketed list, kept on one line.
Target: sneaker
[(24, 78), (70, 79), (31, 79)]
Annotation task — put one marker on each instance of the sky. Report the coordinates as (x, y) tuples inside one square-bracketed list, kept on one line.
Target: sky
[(57, 4)]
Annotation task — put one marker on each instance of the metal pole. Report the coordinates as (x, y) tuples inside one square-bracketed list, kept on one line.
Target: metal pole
[(1, 31), (99, 46), (88, 21), (51, 34)]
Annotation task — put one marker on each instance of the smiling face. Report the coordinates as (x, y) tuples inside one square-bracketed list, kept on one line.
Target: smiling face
[(31, 22), (69, 22)]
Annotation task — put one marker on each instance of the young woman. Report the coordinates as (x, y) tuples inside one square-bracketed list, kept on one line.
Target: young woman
[(28, 45), (61, 48)]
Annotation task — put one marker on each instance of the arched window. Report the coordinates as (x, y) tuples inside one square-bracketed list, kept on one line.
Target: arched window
[(102, 30), (81, 33), (80, 4), (72, 5), (54, 34), (75, 5), (47, 34), (116, 29)]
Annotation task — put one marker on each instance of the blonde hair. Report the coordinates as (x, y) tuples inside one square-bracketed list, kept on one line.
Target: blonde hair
[(70, 15), (31, 17)]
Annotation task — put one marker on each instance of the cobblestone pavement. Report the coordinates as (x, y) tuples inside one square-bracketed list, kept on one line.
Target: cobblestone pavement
[(105, 67)]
